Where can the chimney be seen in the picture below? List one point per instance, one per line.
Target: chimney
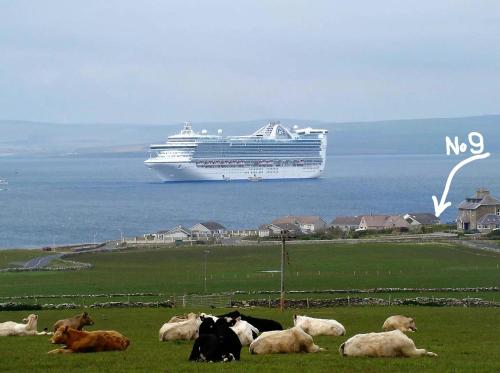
(482, 192)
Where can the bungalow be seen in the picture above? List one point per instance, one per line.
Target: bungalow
(479, 212)
(346, 223)
(307, 224)
(373, 222)
(274, 230)
(396, 222)
(421, 218)
(178, 233)
(208, 229)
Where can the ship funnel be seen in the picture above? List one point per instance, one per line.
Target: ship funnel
(219, 131)
(203, 132)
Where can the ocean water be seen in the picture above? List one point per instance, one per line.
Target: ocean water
(72, 200)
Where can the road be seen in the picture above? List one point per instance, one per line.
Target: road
(41, 261)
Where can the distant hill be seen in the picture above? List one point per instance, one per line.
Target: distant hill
(416, 136)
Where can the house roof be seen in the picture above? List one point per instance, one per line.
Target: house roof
(213, 226)
(179, 228)
(396, 221)
(489, 219)
(475, 202)
(424, 218)
(312, 219)
(374, 220)
(346, 220)
(282, 226)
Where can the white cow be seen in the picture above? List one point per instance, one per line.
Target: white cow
(403, 323)
(315, 327)
(182, 330)
(385, 344)
(245, 331)
(11, 328)
(284, 341)
(206, 316)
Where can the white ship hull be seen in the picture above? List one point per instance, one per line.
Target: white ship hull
(190, 172)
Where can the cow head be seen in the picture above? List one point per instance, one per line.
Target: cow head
(85, 319)
(31, 321)
(411, 325)
(60, 336)
(207, 325)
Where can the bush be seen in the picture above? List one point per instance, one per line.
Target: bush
(494, 235)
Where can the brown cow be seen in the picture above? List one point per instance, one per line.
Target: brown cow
(76, 322)
(81, 341)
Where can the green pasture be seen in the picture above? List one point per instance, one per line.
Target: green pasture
(15, 258)
(466, 340)
(180, 270)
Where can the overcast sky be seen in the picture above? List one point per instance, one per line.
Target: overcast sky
(170, 61)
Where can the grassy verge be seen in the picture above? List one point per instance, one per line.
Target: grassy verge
(180, 270)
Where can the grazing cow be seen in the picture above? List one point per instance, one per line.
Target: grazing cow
(182, 317)
(76, 322)
(315, 327)
(245, 331)
(29, 328)
(284, 341)
(385, 344)
(181, 330)
(82, 341)
(217, 342)
(399, 322)
(264, 325)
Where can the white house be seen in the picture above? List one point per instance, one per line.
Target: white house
(307, 224)
(178, 233)
(208, 229)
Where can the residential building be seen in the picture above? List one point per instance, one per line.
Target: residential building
(274, 230)
(478, 212)
(373, 222)
(178, 233)
(346, 223)
(208, 229)
(307, 224)
(396, 222)
(421, 218)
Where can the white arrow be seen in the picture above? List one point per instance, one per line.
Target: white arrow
(439, 207)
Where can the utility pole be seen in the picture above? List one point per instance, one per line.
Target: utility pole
(206, 256)
(284, 236)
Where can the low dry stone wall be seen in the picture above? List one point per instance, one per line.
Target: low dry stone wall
(377, 290)
(355, 301)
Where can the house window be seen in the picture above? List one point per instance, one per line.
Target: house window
(498, 211)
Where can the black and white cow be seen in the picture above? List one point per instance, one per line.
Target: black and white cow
(216, 342)
(264, 325)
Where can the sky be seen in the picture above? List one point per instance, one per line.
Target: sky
(170, 61)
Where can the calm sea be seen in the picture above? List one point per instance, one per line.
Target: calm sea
(71, 200)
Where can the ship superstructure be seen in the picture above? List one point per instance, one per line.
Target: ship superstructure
(271, 152)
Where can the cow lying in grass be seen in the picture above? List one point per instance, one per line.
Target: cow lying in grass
(315, 327)
(76, 322)
(81, 341)
(179, 318)
(284, 341)
(29, 328)
(181, 330)
(216, 342)
(385, 344)
(399, 322)
(264, 325)
(245, 331)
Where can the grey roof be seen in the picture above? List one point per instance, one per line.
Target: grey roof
(375, 221)
(213, 226)
(346, 220)
(425, 218)
(474, 203)
(176, 229)
(489, 219)
(314, 219)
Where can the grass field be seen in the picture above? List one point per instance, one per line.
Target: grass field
(465, 339)
(180, 270)
(13, 258)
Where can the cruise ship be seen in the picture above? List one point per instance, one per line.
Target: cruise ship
(271, 152)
